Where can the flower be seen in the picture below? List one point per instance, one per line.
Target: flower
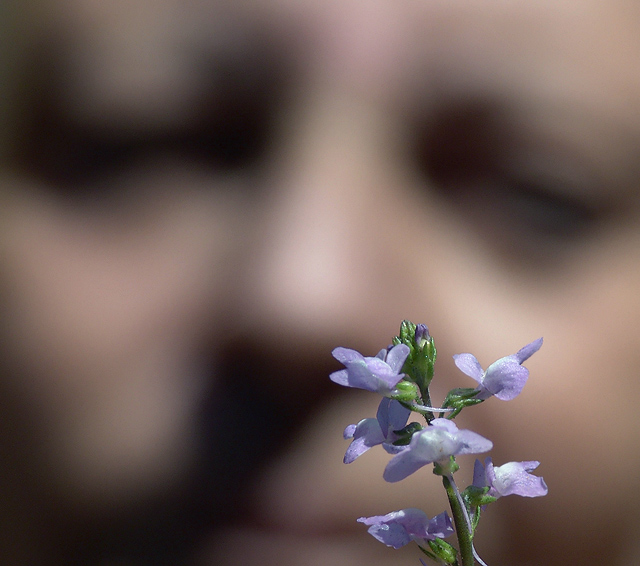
(435, 443)
(379, 374)
(512, 478)
(401, 527)
(367, 433)
(504, 378)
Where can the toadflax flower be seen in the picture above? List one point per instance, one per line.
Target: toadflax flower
(401, 527)
(379, 374)
(504, 378)
(371, 432)
(435, 443)
(512, 478)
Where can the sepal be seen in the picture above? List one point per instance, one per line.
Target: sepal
(405, 434)
(459, 398)
(446, 468)
(475, 496)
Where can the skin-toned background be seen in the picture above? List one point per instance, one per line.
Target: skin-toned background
(200, 200)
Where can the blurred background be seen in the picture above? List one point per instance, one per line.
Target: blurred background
(200, 199)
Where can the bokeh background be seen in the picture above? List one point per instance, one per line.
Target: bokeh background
(200, 199)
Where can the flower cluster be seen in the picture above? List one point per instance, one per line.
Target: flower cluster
(402, 374)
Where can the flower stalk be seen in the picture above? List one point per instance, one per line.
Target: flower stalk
(460, 520)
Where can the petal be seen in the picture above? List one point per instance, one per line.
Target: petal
(359, 375)
(392, 415)
(403, 465)
(341, 377)
(440, 526)
(384, 377)
(383, 413)
(422, 333)
(490, 471)
(398, 416)
(445, 424)
(356, 449)
(349, 431)
(376, 519)
(380, 368)
(528, 351)
(397, 356)
(392, 448)
(513, 478)
(399, 527)
(369, 431)
(479, 476)
(346, 355)
(472, 443)
(366, 435)
(387, 532)
(382, 354)
(392, 535)
(415, 521)
(469, 365)
(506, 378)
(429, 445)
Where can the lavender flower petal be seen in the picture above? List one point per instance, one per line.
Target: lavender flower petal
(435, 443)
(527, 351)
(365, 434)
(468, 364)
(370, 432)
(505, 378)
(392, 415)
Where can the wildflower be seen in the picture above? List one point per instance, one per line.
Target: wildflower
(435, 443)
(504, 378)
(401, 527)
(391, 416)
(379, 374)
(512, 478)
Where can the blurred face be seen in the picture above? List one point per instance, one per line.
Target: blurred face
(200, 201)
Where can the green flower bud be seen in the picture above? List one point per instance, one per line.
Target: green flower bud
(406, 392)
(443, 550)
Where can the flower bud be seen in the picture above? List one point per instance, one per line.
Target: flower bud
(443, 550)
(422, 335)
(406, 392)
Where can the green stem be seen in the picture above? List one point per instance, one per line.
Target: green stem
(460, 520)
(426, 400)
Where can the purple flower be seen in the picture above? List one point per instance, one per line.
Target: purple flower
(512, 478)
(504, 378)
(434, 443)
(371, 432)
(379, 374)
(401, 527)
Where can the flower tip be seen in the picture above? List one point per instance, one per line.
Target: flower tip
(525, 353)
(543, 487)
(422, 333)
